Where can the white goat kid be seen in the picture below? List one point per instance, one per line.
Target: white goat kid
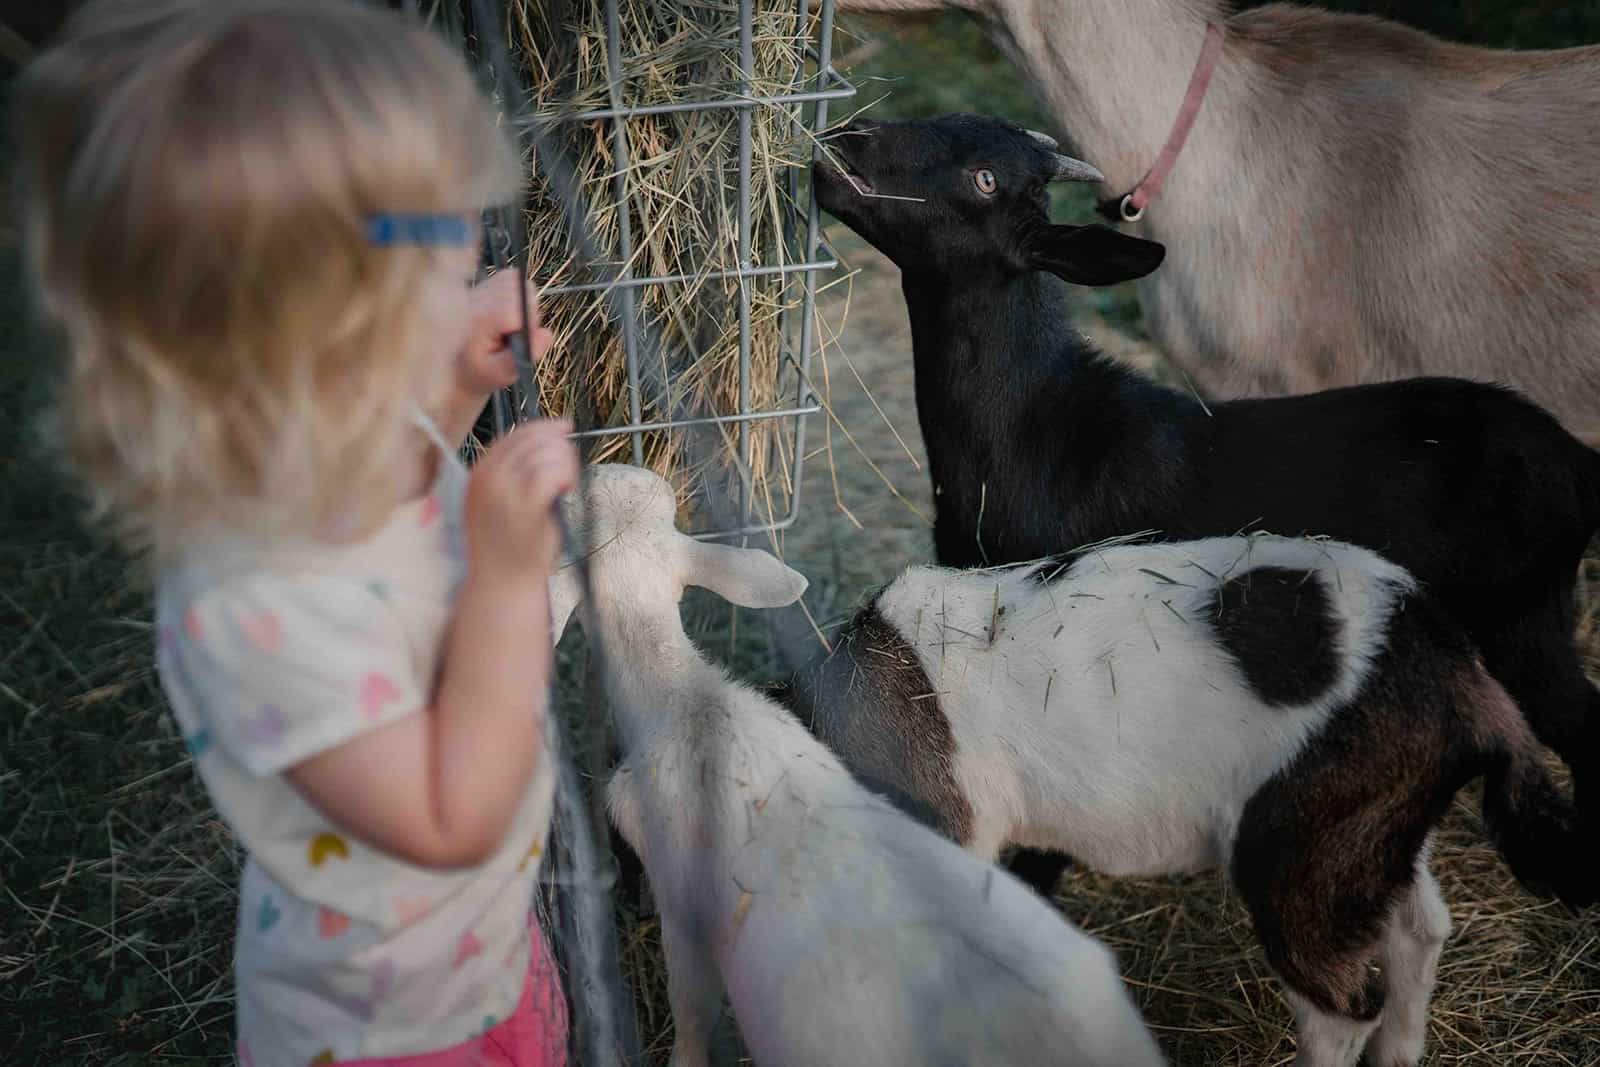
(844, 931)
(1294, 711)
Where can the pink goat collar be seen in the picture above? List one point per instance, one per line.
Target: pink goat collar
(1130, 208)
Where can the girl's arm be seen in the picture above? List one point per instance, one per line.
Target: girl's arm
(440, 788)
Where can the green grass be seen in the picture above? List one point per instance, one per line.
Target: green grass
(931, 64)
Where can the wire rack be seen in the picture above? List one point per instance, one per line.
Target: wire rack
(581, 908)
(802, 252)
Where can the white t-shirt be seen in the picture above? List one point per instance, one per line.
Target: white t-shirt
(343, 952)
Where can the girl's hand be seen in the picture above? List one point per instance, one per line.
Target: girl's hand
(485, 362)
(510, 508)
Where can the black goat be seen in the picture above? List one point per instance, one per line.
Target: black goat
(1037, 443)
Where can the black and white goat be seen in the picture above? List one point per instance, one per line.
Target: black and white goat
(1292, 710)
(842, 930)
(1036, 443)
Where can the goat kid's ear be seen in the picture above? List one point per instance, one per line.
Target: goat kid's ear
(1094, 255)
(565, 591)
(748, 577)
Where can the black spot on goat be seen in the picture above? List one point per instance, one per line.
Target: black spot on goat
(1277, 625)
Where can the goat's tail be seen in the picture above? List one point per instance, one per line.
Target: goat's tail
(1533, 825)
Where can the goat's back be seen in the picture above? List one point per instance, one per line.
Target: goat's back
(1126, 706)
(1392, 466)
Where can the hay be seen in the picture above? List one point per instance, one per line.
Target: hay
(683, 207)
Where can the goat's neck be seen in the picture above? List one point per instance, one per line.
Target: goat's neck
(973, 338)
(655, 670)
(1120, 70)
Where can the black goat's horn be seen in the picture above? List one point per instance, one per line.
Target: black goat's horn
(1044, 139)
(1075, 170)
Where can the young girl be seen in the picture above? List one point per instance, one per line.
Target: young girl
(255, 225)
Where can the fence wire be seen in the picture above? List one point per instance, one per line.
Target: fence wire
(578, 907)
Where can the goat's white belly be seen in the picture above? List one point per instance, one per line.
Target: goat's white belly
(1159, 793)
(1130, 841)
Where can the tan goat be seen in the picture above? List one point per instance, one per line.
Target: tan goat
(1357, 201)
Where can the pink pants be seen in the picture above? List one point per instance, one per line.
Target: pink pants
(535, 1034)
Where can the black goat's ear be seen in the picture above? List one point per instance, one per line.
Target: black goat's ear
(1094, 255)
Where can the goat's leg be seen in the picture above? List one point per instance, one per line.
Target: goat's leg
(1535, 656)
(694, 989)
(1037, 868)
(631, 884)
(1319, 897)
(1337, 999)
(1586, 787)
(1327, 1039)
(1040, 869)
(1417, 930)
(1322, 925)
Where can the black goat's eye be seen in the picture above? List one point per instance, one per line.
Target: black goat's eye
(984, 180)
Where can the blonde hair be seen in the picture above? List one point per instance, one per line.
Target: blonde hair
(198, 182)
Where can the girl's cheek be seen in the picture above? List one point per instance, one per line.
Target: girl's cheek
(445, 324)
(449, 316)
